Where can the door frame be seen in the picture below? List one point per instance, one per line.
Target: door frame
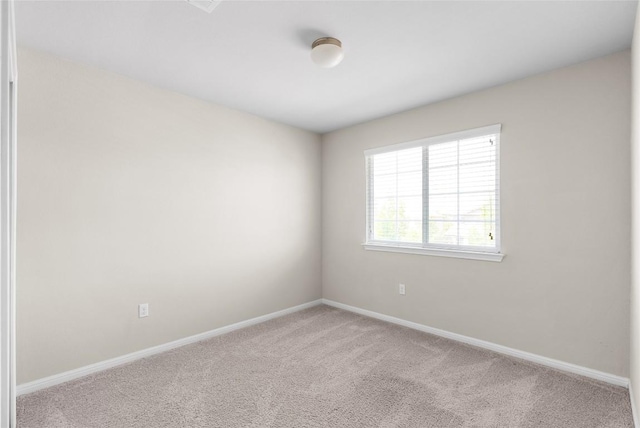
(8, 123)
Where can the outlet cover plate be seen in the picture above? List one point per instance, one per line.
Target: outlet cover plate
(143, 310)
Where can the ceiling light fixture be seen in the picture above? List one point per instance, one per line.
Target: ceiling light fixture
(327, 52)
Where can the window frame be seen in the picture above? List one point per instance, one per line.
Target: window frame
(424, 247)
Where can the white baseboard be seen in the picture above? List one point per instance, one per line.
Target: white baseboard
(49, 381)
(549, 362)
(634, 410)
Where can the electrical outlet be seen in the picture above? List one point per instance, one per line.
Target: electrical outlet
(401, 289)
(143, 310)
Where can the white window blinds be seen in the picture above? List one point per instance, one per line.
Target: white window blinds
(441, 192)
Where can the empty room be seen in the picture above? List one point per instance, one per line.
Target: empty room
(319, 214)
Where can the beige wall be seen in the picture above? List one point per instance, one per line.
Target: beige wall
(132, 194)
(562, 290)
(635, 265)
(212, 216)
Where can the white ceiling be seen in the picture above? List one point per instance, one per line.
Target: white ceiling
(254, 55)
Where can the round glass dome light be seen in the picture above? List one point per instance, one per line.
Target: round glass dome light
(327, 52)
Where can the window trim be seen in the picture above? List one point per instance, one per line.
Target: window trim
(440, 252)
(443, 250)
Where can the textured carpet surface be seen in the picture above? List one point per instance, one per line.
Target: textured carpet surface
(324, 367)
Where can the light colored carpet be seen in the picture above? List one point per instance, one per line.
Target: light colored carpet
(324, 367)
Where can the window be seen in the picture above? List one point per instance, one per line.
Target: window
(437, 196)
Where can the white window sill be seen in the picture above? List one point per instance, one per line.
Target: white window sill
(459, 254)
